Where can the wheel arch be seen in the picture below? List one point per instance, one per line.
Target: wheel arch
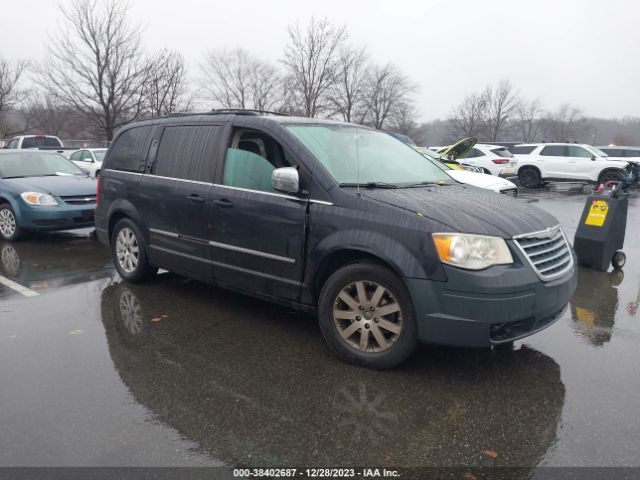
(608, 170)
(120, 210)
(342, 248)
(11, 201)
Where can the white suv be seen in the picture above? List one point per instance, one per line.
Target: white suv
(492, 159)
(540, 162)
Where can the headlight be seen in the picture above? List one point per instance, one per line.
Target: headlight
(473, 252)
(36, 198)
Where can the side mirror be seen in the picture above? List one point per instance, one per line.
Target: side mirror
(286, 179)
(593, 159)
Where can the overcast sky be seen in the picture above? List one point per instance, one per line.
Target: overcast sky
(581, 52)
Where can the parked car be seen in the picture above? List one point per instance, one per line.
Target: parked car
(336, 219)
(89, 159)
(477, 179)
(43, 191)
(493, 159)
(540, 162)
(34, 141)
(618, 151)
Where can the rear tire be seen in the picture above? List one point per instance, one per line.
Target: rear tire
(367, 317)
(529, 177)
(9, 228)
(129, 253)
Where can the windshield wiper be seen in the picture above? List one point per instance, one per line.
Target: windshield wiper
(371, 185)
(427, 184)
(13, 176)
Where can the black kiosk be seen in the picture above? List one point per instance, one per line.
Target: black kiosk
(600, 234)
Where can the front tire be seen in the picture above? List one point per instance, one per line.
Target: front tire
(529, 177)
(367, 317)
(611, 176)
(9, 228)
(129, 253)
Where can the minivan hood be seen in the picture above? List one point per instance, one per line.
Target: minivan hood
(61, 185)
(468, 209)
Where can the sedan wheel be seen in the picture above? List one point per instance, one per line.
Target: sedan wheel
(8, 226)
(367, 316)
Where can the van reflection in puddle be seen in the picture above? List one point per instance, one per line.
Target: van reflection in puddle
(253, 384)
(595, 303)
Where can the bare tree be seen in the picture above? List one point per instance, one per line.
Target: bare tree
(165, 88)
(11, 74)
(95, 64)
(469, 118)
(528, 114)
(11, 94)
(387, 93)
(567, 123)
(236, 79)
(44, 114)
(265, 82)
(347, 94)
(501, 102)
(312, 63)
(404, 120)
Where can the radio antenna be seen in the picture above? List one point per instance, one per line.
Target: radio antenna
(358, 159)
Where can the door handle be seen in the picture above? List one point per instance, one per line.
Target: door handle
(193, 198)
(223, 202)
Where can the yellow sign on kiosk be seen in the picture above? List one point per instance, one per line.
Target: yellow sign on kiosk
(597, 213)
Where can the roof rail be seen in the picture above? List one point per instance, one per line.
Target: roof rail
(227, 111)
(247, 111)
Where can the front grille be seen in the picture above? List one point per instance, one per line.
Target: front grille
(547, 251)
(80, 200)
(512, 192)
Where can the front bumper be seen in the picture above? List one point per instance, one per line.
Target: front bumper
(489, 307)
(60, 217)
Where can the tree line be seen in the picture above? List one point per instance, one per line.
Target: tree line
(97, 75)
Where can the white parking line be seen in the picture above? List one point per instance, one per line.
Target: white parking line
(17, 287)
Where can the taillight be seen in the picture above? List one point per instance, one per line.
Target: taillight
(98, 190)
(500, 161)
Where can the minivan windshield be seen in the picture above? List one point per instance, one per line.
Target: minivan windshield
(18, 165)
(355, 155)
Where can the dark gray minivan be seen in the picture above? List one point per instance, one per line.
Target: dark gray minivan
(334, 219)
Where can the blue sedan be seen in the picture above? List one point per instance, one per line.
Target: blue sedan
(43, 191)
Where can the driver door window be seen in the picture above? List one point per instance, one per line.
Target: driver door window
(86, 156)
(575, 151)
(251, 159)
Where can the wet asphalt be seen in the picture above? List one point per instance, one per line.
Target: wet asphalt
(97, 372)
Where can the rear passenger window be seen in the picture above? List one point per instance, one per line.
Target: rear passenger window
(473, 153)
(187, 152)
(554, 151)
(251, 159)
(129, 152)
(522, 149)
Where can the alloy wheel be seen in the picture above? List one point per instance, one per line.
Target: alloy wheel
(368, 316)
(127, 250)
(7, 223)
